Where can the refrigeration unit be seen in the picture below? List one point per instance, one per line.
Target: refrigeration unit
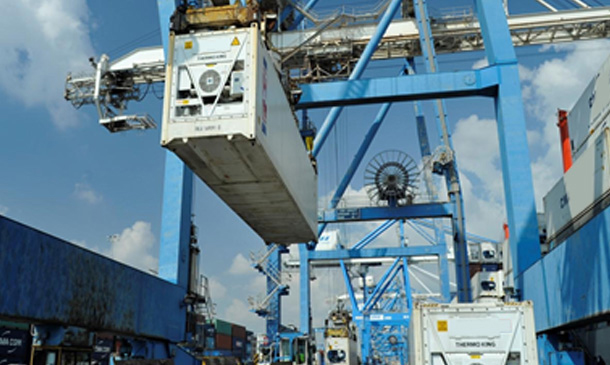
(487, 285)
(228, 117)
(473, 333)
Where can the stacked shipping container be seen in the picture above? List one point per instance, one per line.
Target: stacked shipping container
(223, 335)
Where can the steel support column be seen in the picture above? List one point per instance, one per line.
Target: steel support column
(365, 57)
(177, 195)
(451, 174)
(426, 153)
(514, 151)
(274, 317)
(305, 289)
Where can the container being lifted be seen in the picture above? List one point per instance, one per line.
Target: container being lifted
(473, 333)
(226, 115)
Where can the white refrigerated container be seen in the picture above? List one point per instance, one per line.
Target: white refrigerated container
(590, 114)
(227, 116)
(473, 333)
(582, 192)
(487, 285)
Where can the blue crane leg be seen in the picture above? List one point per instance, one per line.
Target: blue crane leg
(514, 150)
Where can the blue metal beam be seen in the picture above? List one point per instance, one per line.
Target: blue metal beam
(514, 151)
(48, 280)
(350, 289)
(177, 194)
(299, 17)
(373, 234)
(427, 210)
(407, 282)
(471, 237)
(176, 221)
(305, 289)
(381, 286)
(363, 61)
(353, 167)
(451, 171)
(274, 318)
(481, 82)
(377, 253)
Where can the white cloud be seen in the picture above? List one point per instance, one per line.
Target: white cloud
(3, 209)
(134, 246)
(217, 290)
(42, 40)
(555, 83)
(477, 150)
(240, 266)
(239, 312)
(86, 193)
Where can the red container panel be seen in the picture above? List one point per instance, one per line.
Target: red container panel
(238, 331)
(223, 342)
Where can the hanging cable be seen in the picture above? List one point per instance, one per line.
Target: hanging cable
(138, 40)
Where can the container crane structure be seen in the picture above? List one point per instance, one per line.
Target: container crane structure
(316, 83)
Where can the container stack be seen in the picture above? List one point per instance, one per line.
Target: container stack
(228, 338)
(210, 336)
(250, 344)
(224, 332)
(238, 340)
(15, 342)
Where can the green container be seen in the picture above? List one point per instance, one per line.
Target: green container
(222, 327)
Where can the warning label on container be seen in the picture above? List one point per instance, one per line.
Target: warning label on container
(442, 326)
(235, 42)
(476, 344)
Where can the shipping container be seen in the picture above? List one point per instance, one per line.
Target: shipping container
(102, 349)
(238, 346)
(223, 327)
(342, 351)
(473, 333)
(227, 116)
(487, 284)
(14, 346)
(590, 113)
(223, 342)
(210, 343)
(209, 330)
(238, 331)
(576, 197)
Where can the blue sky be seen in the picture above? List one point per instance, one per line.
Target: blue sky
(66, 175)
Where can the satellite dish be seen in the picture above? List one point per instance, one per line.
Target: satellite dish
(391, 178)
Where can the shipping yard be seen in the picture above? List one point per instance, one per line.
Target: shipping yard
(293, 228)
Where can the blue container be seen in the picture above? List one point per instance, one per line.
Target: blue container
(239, 346)
(210, 343)
(209, 330)
(14, 345)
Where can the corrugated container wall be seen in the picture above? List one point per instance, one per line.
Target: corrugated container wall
(223, 327)
(238, 346)
(14, 346)
(223, 342)
(228, 117)
(590, 113)
(238, 331)
(574, 199)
